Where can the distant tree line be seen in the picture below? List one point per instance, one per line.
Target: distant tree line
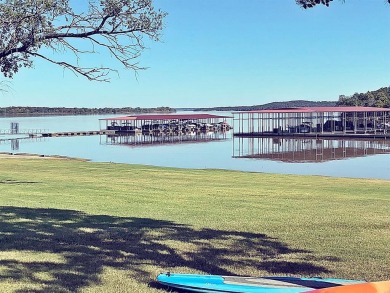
(41, 111)
(379, 98)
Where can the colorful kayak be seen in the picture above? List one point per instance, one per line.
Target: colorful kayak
(231, 284)
(373, 287)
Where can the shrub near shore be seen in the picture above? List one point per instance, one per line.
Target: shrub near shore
(71, 226)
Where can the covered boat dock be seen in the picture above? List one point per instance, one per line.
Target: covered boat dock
(174, 124)
(314, 121)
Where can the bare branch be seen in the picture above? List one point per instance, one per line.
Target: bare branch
(93, 74)
(5, 86)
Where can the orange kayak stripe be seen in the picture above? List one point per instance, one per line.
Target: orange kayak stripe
(373, 287)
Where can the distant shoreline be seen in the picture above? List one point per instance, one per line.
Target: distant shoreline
(19, 111)
(37, 156)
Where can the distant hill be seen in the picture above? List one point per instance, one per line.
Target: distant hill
(273, 105)
(377, 98)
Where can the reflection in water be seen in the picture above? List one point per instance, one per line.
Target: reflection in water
(156, 139)
(15, 144)
(298, 150)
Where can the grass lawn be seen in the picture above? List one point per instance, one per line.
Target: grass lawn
(73, 226)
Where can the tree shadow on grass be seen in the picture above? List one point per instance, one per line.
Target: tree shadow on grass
(83, 245)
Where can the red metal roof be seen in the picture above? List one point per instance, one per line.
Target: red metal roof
(318, 110)
(167, 117)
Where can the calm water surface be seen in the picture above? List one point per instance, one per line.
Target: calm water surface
(358, 159)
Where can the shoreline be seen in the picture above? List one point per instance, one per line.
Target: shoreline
(6, 155)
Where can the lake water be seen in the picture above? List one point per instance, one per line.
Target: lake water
(357, 159)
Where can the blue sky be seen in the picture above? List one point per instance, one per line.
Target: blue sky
(230, 52)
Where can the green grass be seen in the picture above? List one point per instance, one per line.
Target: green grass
(72, 226)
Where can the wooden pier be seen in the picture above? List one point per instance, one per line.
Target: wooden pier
(23, 131)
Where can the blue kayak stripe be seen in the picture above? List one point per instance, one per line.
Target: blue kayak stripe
(234, 288)
(217, 284)
(196, 289)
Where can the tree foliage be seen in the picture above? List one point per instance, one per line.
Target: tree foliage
(118, 26)
(379, 98)
(311, 3)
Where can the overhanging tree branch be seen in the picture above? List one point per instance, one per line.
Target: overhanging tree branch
(117, 26)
